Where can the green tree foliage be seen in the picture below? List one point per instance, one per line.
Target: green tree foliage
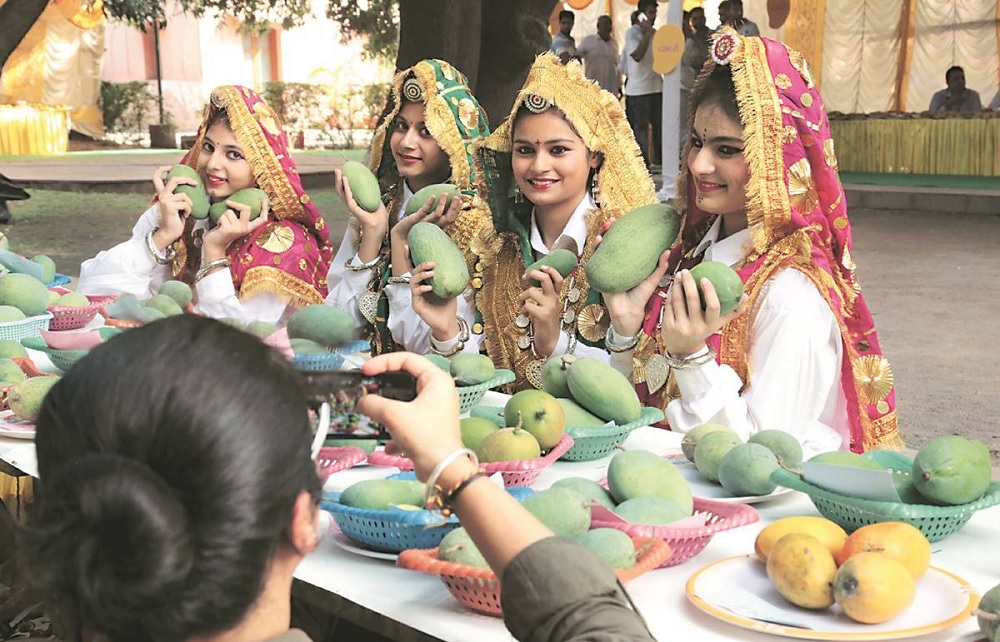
(375, 20)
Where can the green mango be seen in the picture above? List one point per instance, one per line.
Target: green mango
(378, 494)
(711, 449)
(73, 300)
(952, 470)
(179, 291)
(725, 280)
(324, 324)
(539, 413)
(508, 444)
(262, 329)
(562, 260)
(9, 313)
(785, 447)
(428, 242)
(249, 196)
(554, 373)
(10, 372)
(577, 416)
(565, 511)
(431, 192)
(589, 489)
(471, 369)
(24, 292)
(164, 304)
(305, 346)
(845, 458)
(603, 391)
(48, 267)
(367, 445)
(613, 546)
(457, 547)
(25, 398)
(364, 185)
(631, 248)
(989, 605)
(199, 197)
(640, 473)
(650, 511)
(746, 470)
(475, 429)
(10, 348)
(691, 438)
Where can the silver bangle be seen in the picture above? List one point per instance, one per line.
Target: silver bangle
(629, 343)
(163, 258)
(363, 266)
(689, 362)
(463, 336)
(444, 463)
(398, 280)
(211, 265)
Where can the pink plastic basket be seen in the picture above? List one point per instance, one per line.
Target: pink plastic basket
(686, 542)
(67, 317)
(339, 458)
(522, 472)
(479, 590)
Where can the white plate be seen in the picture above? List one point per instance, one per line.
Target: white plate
(701, 487)
(942, 601)
(344, 542)
(11, 426)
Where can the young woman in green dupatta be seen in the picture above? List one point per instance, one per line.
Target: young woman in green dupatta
(427, 136)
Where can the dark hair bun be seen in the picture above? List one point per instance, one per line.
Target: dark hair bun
(124, 537)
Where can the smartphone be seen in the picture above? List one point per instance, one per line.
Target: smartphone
(341, 391)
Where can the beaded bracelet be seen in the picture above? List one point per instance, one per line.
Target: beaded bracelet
(432, 487)
(443, 504)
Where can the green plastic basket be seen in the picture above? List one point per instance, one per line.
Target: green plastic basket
(935, 522)
(469, 396)
(588, 443)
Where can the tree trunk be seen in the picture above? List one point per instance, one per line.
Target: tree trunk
(493, 43)
(16, 20)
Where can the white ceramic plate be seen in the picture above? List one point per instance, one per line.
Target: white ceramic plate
(701, 487)
(942, 601)
(11, 426)
(344, 542)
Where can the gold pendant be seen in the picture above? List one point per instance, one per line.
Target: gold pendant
(534, 373)
(657, 372)
(368, 306)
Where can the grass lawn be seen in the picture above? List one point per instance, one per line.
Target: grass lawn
(74, 226)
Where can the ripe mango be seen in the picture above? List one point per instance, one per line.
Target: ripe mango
(9, 349)
(562, 260)
(431, 192)
(949, 470)
(831, 534)
(603, 391)
(48, 267)
(589, 489)
(785, 447)
(73, 300)
(324, 324)
(26, 397)
(164, 304)
(539, 413)
(475, 429)
(249, 196)
(577, 416)
(873, 588)
(179, 291)
(10, 372)
(711, 449)
(650, 511)
(471, 369)
(9, 313)
(746, 470)
(640, 473)
(457, 547)
(508, 444)
(428, 242)
(691, 438)
(199, 197)
(564, 511)
(364, 185)
(803, 570)
(632, 247)
(900, 541)
(613, 546)
(378, 494)
(26, 293)
(724, 279)
(554, 373)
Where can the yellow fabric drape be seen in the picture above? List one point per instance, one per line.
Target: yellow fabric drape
(958, 146)
(952, 32)
(860, 54)
(804, 33)
(33, 129)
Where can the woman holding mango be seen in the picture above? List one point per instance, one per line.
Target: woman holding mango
(426, 137)
(761, 195)
(562, 164)
(258, 253)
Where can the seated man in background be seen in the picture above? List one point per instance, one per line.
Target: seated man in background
(956, 97)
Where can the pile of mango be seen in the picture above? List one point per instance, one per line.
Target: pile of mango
(591, 392)
(171, 299)
(467, 369)
(202, 208)
(871, 574)
(22, 296)
(534, 423)
(743, 469)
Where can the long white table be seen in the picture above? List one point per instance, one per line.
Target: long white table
(418, 606)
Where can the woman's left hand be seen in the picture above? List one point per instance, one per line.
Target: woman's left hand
(541, 305)
(437, 313)
(686, 326)
(232, 226)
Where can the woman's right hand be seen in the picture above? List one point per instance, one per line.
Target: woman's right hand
(628, 309)
(372, 223)
(440, 315)
(174, 209)
(440, 211)
(427, 428)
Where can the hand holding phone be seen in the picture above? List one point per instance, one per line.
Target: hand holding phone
(340, 391)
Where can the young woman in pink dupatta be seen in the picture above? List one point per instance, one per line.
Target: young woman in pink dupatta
(261, 270)
(761, 194)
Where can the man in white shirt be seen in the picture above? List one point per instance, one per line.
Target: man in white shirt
(736, 20)
(644, 87)
(600, 57)
(956, 97)
(563, 44)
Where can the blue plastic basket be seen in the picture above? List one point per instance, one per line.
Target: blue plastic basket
(58, 280)
(326, 361)
(588, 443)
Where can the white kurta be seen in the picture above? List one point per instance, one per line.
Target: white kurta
(795, 365)
(129, 268)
